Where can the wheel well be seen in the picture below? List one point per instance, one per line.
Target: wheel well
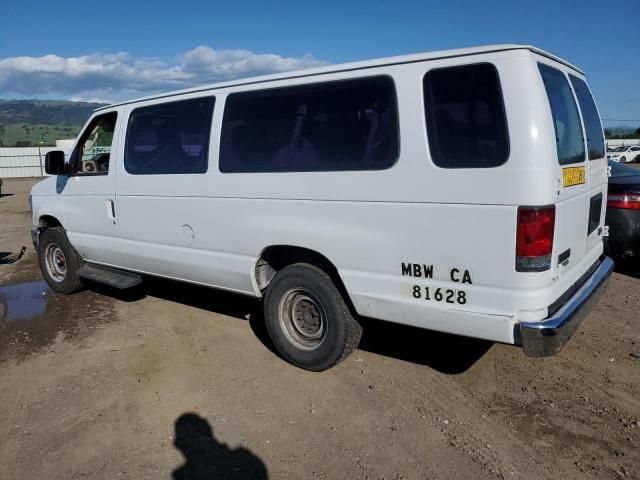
(277, 257)
(47, 221)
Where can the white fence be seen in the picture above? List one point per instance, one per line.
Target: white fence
(23, 162)
(627, 142)
(28, 161)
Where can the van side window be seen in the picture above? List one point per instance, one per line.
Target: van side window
(169, 138)
(93, 151)
(466, 122)
(566, 120)
(590, 117)
(343, 125)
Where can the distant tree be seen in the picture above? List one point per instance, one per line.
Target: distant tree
(610, 134)
(22, 143)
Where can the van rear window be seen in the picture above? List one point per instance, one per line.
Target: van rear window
(590, 117)
(343, 125)
(566, 120)
(466, 123)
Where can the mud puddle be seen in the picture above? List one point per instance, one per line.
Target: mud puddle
(23, 301)
(33, 317)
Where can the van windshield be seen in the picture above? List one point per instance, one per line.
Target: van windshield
(566, 120)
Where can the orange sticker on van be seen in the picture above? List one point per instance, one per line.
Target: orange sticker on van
(573, 176)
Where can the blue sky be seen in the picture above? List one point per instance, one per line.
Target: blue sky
(113, 50)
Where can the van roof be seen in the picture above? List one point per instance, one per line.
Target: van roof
(344, 67)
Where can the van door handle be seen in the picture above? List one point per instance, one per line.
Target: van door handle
(111, 211)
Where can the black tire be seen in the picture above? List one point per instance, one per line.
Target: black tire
(308, 294)
(61, 273)
(623, 159)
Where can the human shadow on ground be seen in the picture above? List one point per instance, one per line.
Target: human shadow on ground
(208, 459)
(450, 354)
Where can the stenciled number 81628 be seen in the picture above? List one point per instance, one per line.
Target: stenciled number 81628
(440, 294)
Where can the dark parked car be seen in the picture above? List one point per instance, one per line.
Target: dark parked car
(623, 211)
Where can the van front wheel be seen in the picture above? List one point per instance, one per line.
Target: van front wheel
(59, 262)
(307, 318)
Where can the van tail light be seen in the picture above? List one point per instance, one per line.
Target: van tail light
(534, 241)
(628, 201)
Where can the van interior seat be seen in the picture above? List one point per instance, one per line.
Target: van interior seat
(173, 157)
(449, 134)
(140, 154)
(374, 123)
(378, 136)
(229, 157)
(299, 152)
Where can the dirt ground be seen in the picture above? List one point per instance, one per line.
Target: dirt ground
(181, 382)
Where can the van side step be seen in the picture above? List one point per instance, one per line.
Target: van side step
(113, 277)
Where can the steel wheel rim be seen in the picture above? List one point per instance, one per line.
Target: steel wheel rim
(302, 318)
(56, 262)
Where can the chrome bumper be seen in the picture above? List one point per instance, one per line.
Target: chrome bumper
(35, 236)
(546, 338)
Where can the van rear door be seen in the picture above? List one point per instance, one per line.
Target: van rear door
(582, 173)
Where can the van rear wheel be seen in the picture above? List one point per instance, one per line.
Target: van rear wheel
(307, 318)
(59, 262)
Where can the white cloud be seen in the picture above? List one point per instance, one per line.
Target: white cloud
(236, 63)
(119, 76)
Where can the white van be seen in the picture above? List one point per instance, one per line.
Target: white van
(459, 191)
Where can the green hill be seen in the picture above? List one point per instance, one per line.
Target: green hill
(26, 122)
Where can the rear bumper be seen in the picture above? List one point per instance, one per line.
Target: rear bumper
(546, 338)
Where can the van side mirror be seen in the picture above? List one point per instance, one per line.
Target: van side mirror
(54, 162)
